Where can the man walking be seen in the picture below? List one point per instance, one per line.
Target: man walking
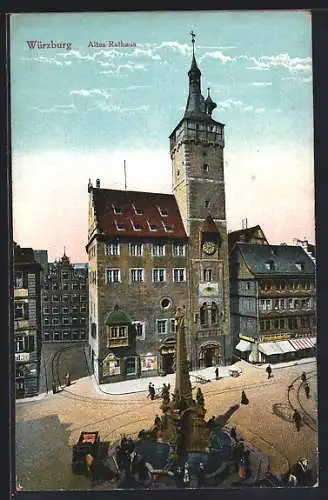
(216, 373)
(297, 419)
(269, 371)
(307, 389)
(303, 377)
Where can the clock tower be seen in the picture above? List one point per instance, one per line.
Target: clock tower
(196, 148)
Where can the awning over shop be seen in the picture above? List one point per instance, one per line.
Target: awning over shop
(306, 343)
(285, 346)
(243, 346)
(269, 348)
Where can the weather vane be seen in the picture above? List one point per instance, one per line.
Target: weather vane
(193, 40)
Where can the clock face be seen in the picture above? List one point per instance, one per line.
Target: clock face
(209, 247)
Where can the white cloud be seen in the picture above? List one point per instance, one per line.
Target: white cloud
(62, 108)
(110, 108)
(283, 61)
(261, 84)
(218, 55)
(88, 93)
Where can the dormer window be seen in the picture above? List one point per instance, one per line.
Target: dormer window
(119, 226)
(269, 265)
(152, 227)
(300, 266)
(168, 228)
(117, 209)
(136, 226)
(138, 210)
(163, 212)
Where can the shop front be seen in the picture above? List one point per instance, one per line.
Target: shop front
(167, 352)
(209, 354)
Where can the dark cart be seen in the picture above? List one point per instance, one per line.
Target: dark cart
(88, 444)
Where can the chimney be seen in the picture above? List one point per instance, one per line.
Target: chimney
(98, 183)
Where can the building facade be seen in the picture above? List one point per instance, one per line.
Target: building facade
(27, 321)
(150, 253)
(273, 305)
(65, 302)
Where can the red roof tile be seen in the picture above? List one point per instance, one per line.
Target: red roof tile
(134, 213)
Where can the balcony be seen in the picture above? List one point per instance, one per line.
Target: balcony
(275, 293)
(117, 343)
(21, 324)
(267, 313)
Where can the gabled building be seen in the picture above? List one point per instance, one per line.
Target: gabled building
(65, 302)
(272, 301)
(253, 235)
(150, 252)
(27, 321)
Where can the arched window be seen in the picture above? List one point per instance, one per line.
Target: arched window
(204, 315)
(214, 313)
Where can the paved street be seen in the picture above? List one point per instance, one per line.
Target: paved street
(47, 428)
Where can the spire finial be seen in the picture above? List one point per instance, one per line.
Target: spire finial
(193, 36)
(64, 250)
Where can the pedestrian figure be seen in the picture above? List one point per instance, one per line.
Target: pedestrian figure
(152, 392)
(297, 419)
(244, 400)
(307, 390)
(157, 422)
(200, 397)
(149, 390)
(68, 379)
(216, 373)
(303, 377)
(269, 371)
(186, 476)
(233, 433)
(201, 476)
(165, 393)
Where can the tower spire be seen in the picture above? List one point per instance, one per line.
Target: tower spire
(195, 103)
(193, 36)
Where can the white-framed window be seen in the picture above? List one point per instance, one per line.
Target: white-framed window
(161, 326)
(137, 275)
(19, 279)
(140, 329)
(179, 275)
(55, 310)
(179, 249)
(136, 249)
(265, 304)
(159, 275)
(152, 227)
(119, 226)
(163, 212)
(173, 325)
(158, 250)
(169, 228)
(112, 249)
(113, 275)
(135, 225)
(117, 209)
(137, 210)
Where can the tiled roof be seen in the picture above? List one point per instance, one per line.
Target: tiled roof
(244, 235)
(209, 226)
(117, 317)
(137, 214)
(284, 259)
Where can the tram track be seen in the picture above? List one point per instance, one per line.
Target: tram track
(309, 420)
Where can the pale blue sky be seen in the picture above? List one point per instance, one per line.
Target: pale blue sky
(88, 101)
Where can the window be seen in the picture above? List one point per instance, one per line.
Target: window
(269, 265)
(65, 298)
(55, 298)
(161, 326)
(136, 249)
(137, 275)
(281, 323)
(300, 266)
(21, 310)
(276, 323)
(113, 276)
(55, 286)
(140, 329)
(75, 320)
(75, 286)
(119, 226)
(47, 336)
(45, 298)
(117, 209)
(206, 168)
(83, 309)
(93, 330)
(83, 334)
(66, 336)
(18, 280)
(135, 225)
(203, 315)
(158, 250)
(64, 276)
(267, 324)
(290, 303)
(178, 250)
(152, 227)
(55, 310)
(248, 285)
(179, 275)
(207, 274)
(169, 228)
(159, 275)
(166, 303)
(65, 286)
(130, 365)
(292, 323)
(117, 336)
(163, 212)
(261, 325)
(57, 336)
(207, 204)
(173, 325)
(55, 321)
(307, 285)
(46, 310)
(214, 313)
(112, 249)
(82, 286)
(265, 304)
(138, 210)
(65, 310)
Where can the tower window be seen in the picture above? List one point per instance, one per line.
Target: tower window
(207, 203)
(206, 168)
